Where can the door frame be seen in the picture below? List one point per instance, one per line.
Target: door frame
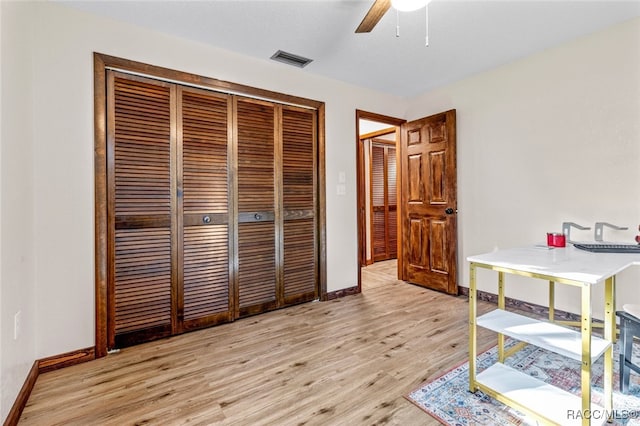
(360, 182)
(101, 63)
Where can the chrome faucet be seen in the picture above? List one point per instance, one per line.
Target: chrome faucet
(599, 229)
(566, 229)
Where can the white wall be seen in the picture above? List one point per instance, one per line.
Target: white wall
(368, 126)
(554, 137)
(47, 157)
(17, 246)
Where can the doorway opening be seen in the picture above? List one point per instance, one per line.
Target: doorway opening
(378, 184)
(426, 191)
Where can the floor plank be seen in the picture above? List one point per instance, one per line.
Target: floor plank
(347, 361)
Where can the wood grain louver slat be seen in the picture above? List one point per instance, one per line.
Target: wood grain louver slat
(256, 268)
(255, 123)
(392, 198)
(300, 267)
(204, 152)
(298, 148)
(206, 272)
(377, 176)
(142, 181)
(392, 225)
(379, 235)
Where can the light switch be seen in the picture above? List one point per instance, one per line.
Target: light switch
(341, 189)
(342, 177)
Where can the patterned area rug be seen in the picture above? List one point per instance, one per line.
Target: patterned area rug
(448, 399)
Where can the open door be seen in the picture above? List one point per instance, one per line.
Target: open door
(429, 202)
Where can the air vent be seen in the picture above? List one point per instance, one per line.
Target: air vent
(291, 59)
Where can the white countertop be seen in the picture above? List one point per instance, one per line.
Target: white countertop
(568, 262)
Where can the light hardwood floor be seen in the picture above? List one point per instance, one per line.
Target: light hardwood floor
(349, 361)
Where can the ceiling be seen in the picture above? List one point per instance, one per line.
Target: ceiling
(466, 37)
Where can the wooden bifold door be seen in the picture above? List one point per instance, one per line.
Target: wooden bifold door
(211, 207)
(384, 205)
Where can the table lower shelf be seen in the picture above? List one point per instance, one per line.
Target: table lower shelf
(536, 397)
(546, 335)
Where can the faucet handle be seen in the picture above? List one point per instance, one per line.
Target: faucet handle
(566, 229)
(599, 229)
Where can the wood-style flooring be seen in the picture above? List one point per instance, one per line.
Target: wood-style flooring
(349, 361)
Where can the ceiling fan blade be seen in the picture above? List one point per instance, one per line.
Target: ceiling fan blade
(377, 11)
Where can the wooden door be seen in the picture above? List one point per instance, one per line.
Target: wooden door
(392, 202)
(169, 208)
(203, 290)
(141, 207)
(383, 201)
(299, 206)
(277, 235)
(429, 203)
(256, 207)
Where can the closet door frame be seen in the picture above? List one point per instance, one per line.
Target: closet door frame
(104, 62)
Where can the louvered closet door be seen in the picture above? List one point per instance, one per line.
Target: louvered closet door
(212, 213)
(300, 273)
(383, 202)
(392, 203)
(204, 297)
(256, 207)
(378, 222)
(140, 209)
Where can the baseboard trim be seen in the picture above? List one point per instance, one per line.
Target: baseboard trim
(42, 366)
(65, 360)
(23, 396)
(532, 308)
(342, 293)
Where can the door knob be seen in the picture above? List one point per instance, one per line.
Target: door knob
(258, 216)
(449, 210)
(206, 219)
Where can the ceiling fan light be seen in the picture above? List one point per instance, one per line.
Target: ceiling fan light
(408, 5)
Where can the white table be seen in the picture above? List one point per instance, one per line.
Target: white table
(569, 266)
